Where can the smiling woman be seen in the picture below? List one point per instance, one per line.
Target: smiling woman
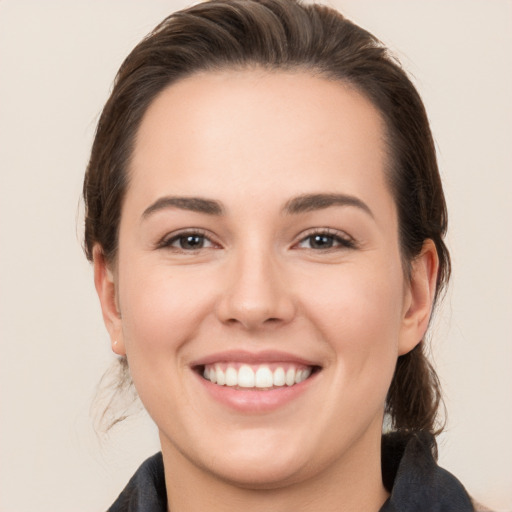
(266, 220)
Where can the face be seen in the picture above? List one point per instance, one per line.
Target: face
(258, 291)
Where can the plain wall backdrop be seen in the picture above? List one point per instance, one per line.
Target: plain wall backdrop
(57, 63)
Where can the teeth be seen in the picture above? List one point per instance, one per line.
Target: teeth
(302, 375)
(264, 377)
(261, 376)
(221, 376)
(279, 379)
(231, 376)
(245, 377)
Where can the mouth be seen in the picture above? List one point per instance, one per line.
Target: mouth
(256, 382)
(266, 376)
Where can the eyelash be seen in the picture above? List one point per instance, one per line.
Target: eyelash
(167, 243)
(342, 241)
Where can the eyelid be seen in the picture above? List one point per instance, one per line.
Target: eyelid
(346, 241)
(166, 241)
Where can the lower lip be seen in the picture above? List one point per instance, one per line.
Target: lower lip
(254, 400)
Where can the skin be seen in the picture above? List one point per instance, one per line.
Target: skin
(252, 141)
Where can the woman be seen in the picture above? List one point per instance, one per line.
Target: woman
(266, 220)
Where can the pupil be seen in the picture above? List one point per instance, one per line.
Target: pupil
(322, 241)
(191, 242)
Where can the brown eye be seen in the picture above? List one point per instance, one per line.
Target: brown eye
(187, 242)
(191, 242)
(323, 241)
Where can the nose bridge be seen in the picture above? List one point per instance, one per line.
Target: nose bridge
(255, 292)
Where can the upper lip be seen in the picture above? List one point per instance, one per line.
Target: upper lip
(243, 356)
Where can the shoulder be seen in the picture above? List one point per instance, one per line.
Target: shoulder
(145, 492)
(414, 479)
(479, 507)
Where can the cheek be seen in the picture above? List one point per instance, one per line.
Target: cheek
(358, 312)
(161, 309)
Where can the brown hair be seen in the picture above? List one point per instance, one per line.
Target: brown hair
(283, 34)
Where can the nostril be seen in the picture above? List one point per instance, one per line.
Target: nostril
(253, 322)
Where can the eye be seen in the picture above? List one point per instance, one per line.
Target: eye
(187, 242)
(325, 240)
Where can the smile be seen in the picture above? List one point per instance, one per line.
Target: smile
(256, 383)
(261, 376)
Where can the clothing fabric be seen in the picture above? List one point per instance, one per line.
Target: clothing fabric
(409, 471)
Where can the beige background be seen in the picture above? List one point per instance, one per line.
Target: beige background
(57, 61)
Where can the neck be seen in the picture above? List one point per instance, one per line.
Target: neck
(353, 484)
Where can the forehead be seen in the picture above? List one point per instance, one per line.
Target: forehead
(273, 129)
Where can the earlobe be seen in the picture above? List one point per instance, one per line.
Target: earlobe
(419, 297)
(104, 282)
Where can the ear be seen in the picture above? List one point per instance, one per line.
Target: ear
(104, 281)
(419, 297)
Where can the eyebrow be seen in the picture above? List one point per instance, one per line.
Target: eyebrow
(300, 204)
(311, 202)
(194, 204)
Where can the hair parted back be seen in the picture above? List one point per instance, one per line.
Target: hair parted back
(283, 35)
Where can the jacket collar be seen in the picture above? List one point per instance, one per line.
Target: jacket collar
(409, 471)
(415, 481)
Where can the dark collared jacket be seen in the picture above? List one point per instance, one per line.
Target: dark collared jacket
(409, 471)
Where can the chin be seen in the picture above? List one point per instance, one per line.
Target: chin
(254, 458)
(257, 472)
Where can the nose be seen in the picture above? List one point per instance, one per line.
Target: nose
(255, 293)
